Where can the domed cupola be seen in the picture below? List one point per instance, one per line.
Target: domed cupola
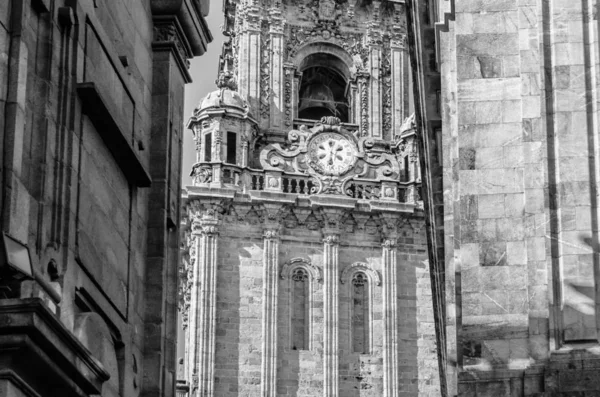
(223, 129)
(224, 99)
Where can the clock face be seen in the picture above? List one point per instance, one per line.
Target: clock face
(331, 153)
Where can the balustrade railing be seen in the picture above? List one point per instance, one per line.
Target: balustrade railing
(299, 184)
(248, 179)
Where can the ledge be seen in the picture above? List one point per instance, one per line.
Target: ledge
(36, 347)
(94, 106)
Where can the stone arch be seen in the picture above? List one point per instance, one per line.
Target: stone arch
(365, 268)
(321, 47)
(315, 272)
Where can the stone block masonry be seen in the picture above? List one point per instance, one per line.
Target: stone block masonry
(272, 337)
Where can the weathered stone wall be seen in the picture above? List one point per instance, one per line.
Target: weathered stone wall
(519, 83)
(91, 95)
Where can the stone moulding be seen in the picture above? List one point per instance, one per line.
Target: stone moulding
(315, 272)
(349, 270)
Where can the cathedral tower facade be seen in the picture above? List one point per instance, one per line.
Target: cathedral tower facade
(304, 269)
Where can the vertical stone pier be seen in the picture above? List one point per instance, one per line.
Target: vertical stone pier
(204, 301)
(331, 241)
(269, 321)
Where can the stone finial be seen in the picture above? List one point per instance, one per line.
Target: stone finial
(226, 80)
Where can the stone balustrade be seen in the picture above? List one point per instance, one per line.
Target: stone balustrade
(220, 175)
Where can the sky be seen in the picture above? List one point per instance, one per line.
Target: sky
(204, 73)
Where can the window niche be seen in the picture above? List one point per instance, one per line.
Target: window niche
(360, 281)
(208, 146)
(299, 309)
(301, 277)
(360, 313)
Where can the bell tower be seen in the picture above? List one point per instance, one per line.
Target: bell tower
(303, 267)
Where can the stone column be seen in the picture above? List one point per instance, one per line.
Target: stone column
(330, 312)
(390, 320)
(269, 321)
(203, 308)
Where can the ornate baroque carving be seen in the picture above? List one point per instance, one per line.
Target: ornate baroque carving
(287, 92)
(265, 62)
(386, 78)
(364, 105)
(357, 159)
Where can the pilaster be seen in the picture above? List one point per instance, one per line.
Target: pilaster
(331, 239)
(399, 70)
(276, 72)
(204, 294)
(250, 58)
(390, 316)
(269, 320)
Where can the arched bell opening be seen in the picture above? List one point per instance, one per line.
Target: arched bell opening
(323, 89)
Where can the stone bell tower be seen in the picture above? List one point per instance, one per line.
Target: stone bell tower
(304, 258)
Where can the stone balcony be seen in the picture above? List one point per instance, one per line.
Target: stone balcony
(228, 177)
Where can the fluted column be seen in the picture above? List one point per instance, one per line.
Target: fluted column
(330, 313)
(390, 315)
(269, 320)
(203, 317)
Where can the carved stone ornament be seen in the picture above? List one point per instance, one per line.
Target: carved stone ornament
(350, 270)
(289, 268)
(327, 9)
(332, 155)
(389, 243)
(332, 239)
(270, 234)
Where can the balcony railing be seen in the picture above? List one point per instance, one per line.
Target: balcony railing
(248, 179)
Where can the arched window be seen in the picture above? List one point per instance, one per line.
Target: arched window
(360, 280)
(324, 89)
(299, 309)
(360, 313)
(302, 276)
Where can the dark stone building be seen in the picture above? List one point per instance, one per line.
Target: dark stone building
(91, 99)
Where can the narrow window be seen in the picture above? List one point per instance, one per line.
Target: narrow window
(299, 309)
(231, 147)
(208, 147)
(360, 314)
(406, 169)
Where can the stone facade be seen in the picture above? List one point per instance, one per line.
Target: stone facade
(91, 94)
(507, 106)
(304, 269)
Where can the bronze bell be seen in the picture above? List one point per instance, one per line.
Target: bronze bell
(317, 101)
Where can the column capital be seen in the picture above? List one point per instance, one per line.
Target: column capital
(389, 242)
(331, 236)
(203, 226)
(271, 234)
